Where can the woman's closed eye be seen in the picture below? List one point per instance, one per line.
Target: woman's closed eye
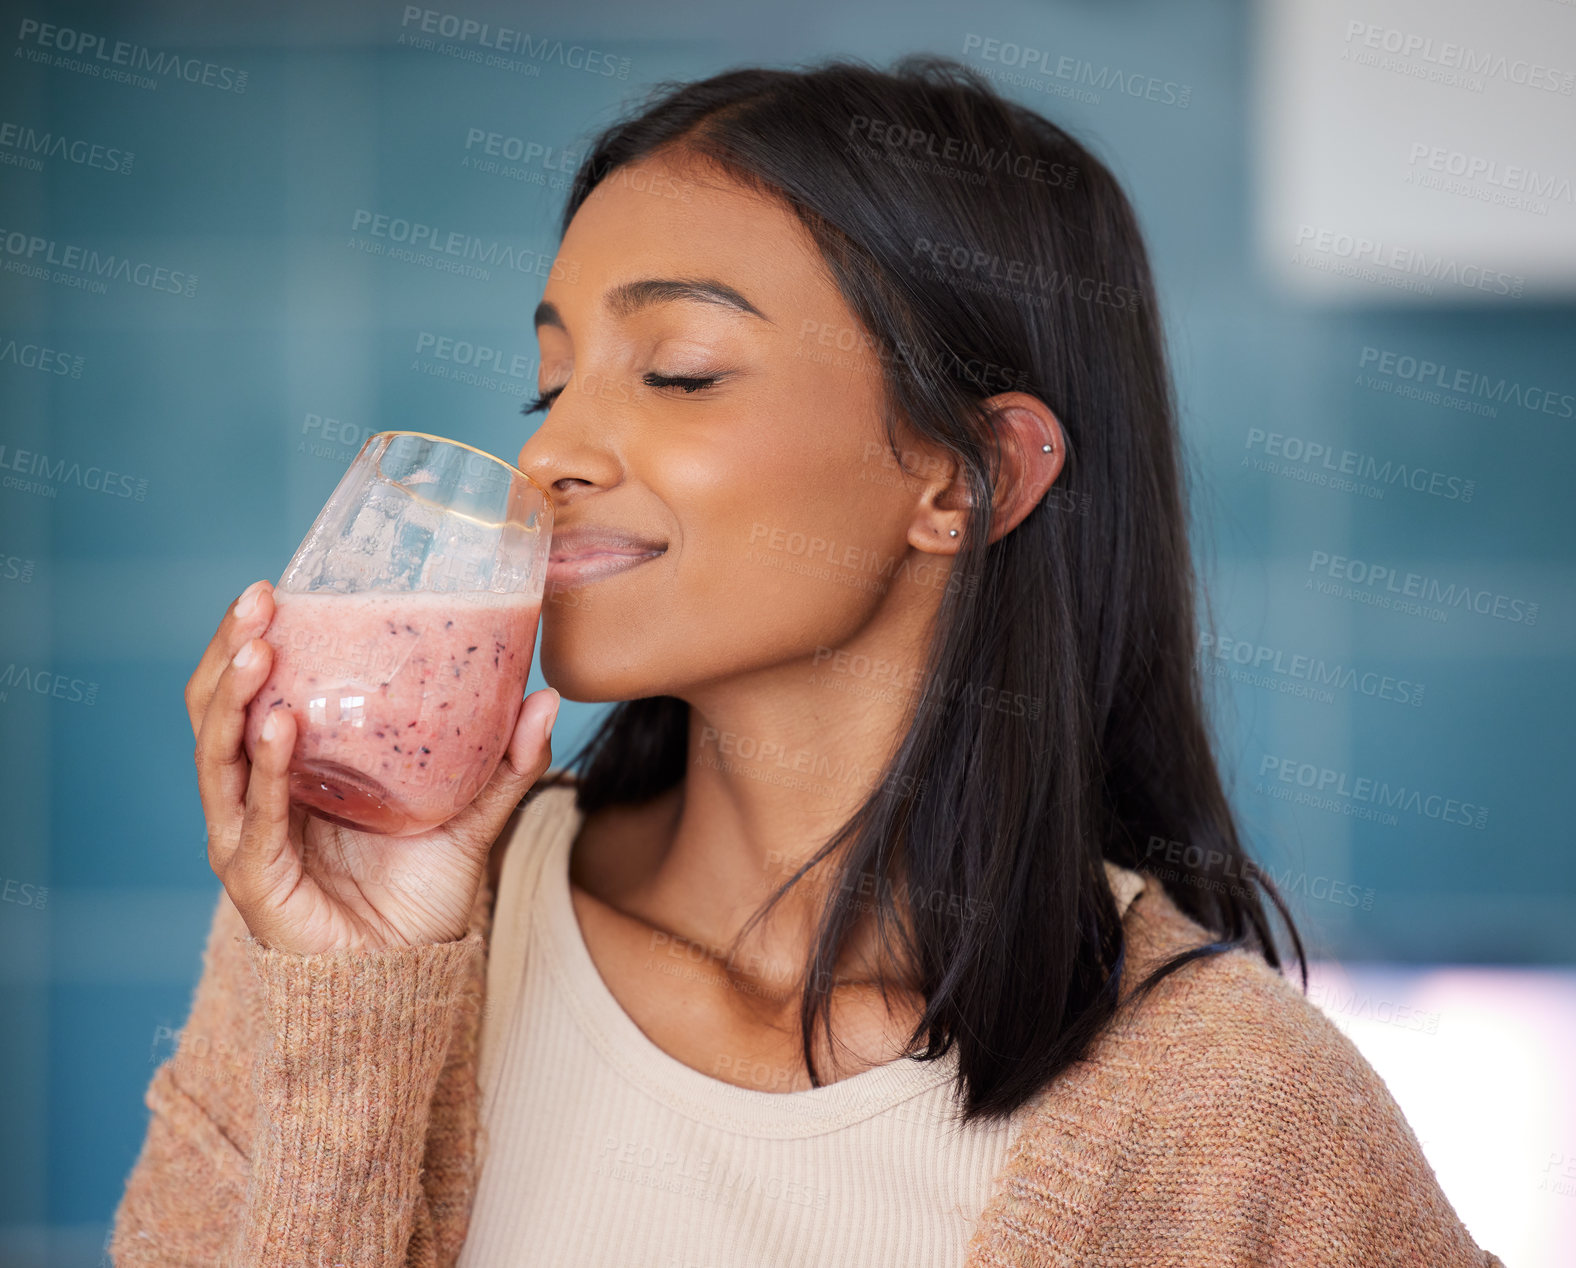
(686, 383)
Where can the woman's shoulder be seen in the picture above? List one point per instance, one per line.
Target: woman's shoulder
(1248, 1101)
(1230, 1012)
(1229, 1028)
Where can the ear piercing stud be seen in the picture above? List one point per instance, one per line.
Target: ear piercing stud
(1045, 449)
(953, 531)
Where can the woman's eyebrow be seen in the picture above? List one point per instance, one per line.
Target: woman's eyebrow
(628, 298)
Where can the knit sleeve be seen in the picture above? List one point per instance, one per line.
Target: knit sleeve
(290, 1125)
(1266, 1138)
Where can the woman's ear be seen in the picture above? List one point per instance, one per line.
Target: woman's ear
(1030, 448)
(1030, 451)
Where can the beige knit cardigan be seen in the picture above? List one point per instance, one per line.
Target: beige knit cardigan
(322, 1112)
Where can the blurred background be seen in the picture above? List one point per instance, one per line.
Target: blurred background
(1363, 225)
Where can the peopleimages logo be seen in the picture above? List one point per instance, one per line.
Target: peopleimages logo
(15, 568)
(1390, 264)
(48, 474)
(1437, 374)
(1040, 64)
(885, 136)
(507, 42)
(964, 265)
(412, 240)
(44, 682)
(35, 356)
(1447, 56)
(23, 895)
(1361, 466)
(1323, 782)
(478, 364)
(517, 149)
(1362, 1007)
(1382, 581)
(1510, 177)
(97, 56)
(1261, 661)
(25, 147)
(33, 256)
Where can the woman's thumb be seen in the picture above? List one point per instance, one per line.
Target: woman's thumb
(530, 751)
(525, 761)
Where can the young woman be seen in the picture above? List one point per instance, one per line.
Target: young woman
(897, 914)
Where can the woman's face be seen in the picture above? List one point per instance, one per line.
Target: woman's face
(762, 519)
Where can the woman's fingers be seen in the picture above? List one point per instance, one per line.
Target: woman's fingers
(246, 618)
(263, 861)
(222, 767)
(525, 761)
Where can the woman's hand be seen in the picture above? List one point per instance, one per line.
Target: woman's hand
(303, 884)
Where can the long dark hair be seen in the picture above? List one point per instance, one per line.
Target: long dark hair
(982, 247)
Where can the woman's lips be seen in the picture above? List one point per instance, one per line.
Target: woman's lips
(577, 570)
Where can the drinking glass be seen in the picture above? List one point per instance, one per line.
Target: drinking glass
(403, 631)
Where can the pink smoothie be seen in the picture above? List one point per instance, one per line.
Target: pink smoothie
(403, 703)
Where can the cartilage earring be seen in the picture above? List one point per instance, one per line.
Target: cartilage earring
(1045, 449)
(953, 531)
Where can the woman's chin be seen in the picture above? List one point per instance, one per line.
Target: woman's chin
(591, 679)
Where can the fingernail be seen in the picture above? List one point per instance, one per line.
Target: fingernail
(270, 727)
(247, 603)
(552, 716)
(246, 655)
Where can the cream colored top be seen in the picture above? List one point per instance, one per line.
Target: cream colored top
(598, 1148)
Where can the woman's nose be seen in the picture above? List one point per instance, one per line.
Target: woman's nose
(571, 447)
